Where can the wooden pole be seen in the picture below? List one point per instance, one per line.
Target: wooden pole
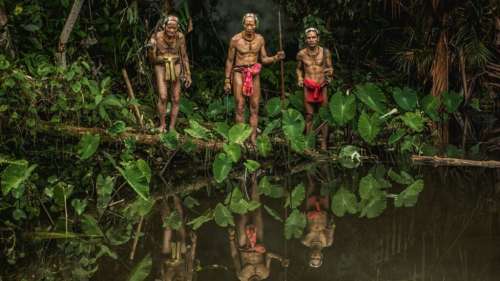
(282, 64)
(68, 27)
(137, 113)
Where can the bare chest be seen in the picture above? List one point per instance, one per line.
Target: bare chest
(313, 59)
(166, 45)
(244, 47)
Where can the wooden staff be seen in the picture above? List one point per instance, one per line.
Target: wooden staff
(282, 65)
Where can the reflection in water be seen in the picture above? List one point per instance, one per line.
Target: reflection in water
(320, 226)
(252, 261)
(178, 255)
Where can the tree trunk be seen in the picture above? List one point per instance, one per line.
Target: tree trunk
(439, 73)
(68, 27)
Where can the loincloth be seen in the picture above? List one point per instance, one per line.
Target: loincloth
(170, 61)
(314, 91)
(248, 72)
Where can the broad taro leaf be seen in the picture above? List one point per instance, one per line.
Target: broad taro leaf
(342, 108)
(223, 216)
(221, 167)
(14, 176)
(141, 271)
(88, 145)
(368, 127)
(414, 121)
(239, 133)
(409, 196)
(371, 95)
(406, 98)
(295, 224)
(344, 201)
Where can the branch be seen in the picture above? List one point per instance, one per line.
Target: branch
(68, 27)
(131, 96)
(442, 161)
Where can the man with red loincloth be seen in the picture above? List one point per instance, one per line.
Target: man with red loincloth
(314, 73)
(320, 227)
(251, 259)
(246, 49)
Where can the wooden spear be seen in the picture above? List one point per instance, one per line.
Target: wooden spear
(282, 65)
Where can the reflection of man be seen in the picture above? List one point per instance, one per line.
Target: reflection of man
(320, 229)
(171, 65)
(251, 259)
(314, 73)
(179, 256)
(246, 49)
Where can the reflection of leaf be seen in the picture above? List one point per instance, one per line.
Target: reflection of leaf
(373, 207)
(221, 167)
(344, 201)
(14, 175)
(199, 221)
(396, 136)
(409, 196)
(233, 151)
(349, 157)
(190, 202)
(79, 205)
(414, 121)
(368, 127)
(296, 197)
(117, 128)
(403, 178)
(269, 189)
(371, 95)
(239, 133)
(223, 129)
(406, 98)
(173, 221)
(138, 175)
(90, 226)
(104, 186)
(295, 224)
(141, 270)
(88, 145)
(223, 216)
(342, 108)
(264, 145)
(273, 213)
(369, 187)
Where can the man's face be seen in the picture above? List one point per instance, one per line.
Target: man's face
(171, 28)
(249, 25)
(312, 39)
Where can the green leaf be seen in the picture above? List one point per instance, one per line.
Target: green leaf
(293, 124)
(199, 221)
(369, 187)
(119, 234)
(117, 128)
(173, 221)
(396, 136)
(295, 224)
(430, 105)
(79, 205)
(373, 207)
(4, 63)
(342, 108)
(406, 98)
(269, 189)
(273, 213)
(223, 216)
(414, 121)
(196, 130)
(368, 127)
(264, 145)
(190, 202)
(90, 226)
(296, 197)
(474, 104)
(409, 196)
(251, 165)
(271, 126)
(371, 95)
(403, 178)
(170, 140)
(222, 128)
(138, 176)
(14, 175)
(233, 151)
(19, 214)
(76, 87)
(452, 101)
(141, 271)
(221, 167)
(273, 107)
(349, 157)
(104, 187)
(344, 201)
(88, 145)
(239, 133)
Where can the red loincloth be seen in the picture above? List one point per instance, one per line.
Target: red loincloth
(248, 72)
(314, 200)
(252, 240)
(314, 91)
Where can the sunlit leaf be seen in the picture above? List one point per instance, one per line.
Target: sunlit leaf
(196, 130)
(79, 205)
(239, 133)
(342, 108)
(170, 139)
(233, 151)
(14, 175)
(293, 123)
(251, 165)
(264, 145)
(452, 101)
(223, 129)
(173, 221)
(221, 167)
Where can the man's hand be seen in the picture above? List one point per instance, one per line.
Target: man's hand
(188, 82)
(280, 55)
(285, 262)
(227, 86)
(232, 233)
(300, 83)
(193, 237)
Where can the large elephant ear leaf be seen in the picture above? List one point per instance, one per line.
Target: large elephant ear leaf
(372, 96)
(406, 98)
(342, 108)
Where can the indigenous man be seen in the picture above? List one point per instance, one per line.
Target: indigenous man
(320, 228)
(246, 49)
(171, 65)
(178, 256)
(314, 73)
(251, 259)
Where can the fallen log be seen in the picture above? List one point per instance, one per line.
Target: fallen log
(444, 161)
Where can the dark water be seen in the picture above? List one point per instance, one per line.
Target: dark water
(453, 233)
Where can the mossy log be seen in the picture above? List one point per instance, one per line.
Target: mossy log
(443, 161)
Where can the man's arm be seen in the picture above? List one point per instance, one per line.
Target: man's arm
(191, 258)
(268, 60)
(229, 65)
(329, 232)
(185, 61)
(300, 71)
(329, 65)
(234, 251)
(270, 256)
(152, 49)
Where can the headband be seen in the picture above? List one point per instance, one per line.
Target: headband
(254, 16)
(171, 18)
(312, 29)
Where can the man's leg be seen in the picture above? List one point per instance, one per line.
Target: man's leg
(254, 108)
(239, 99)
(162, 88)
(257, 214)
(176, 97)
(309, 113)
(324, 130)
